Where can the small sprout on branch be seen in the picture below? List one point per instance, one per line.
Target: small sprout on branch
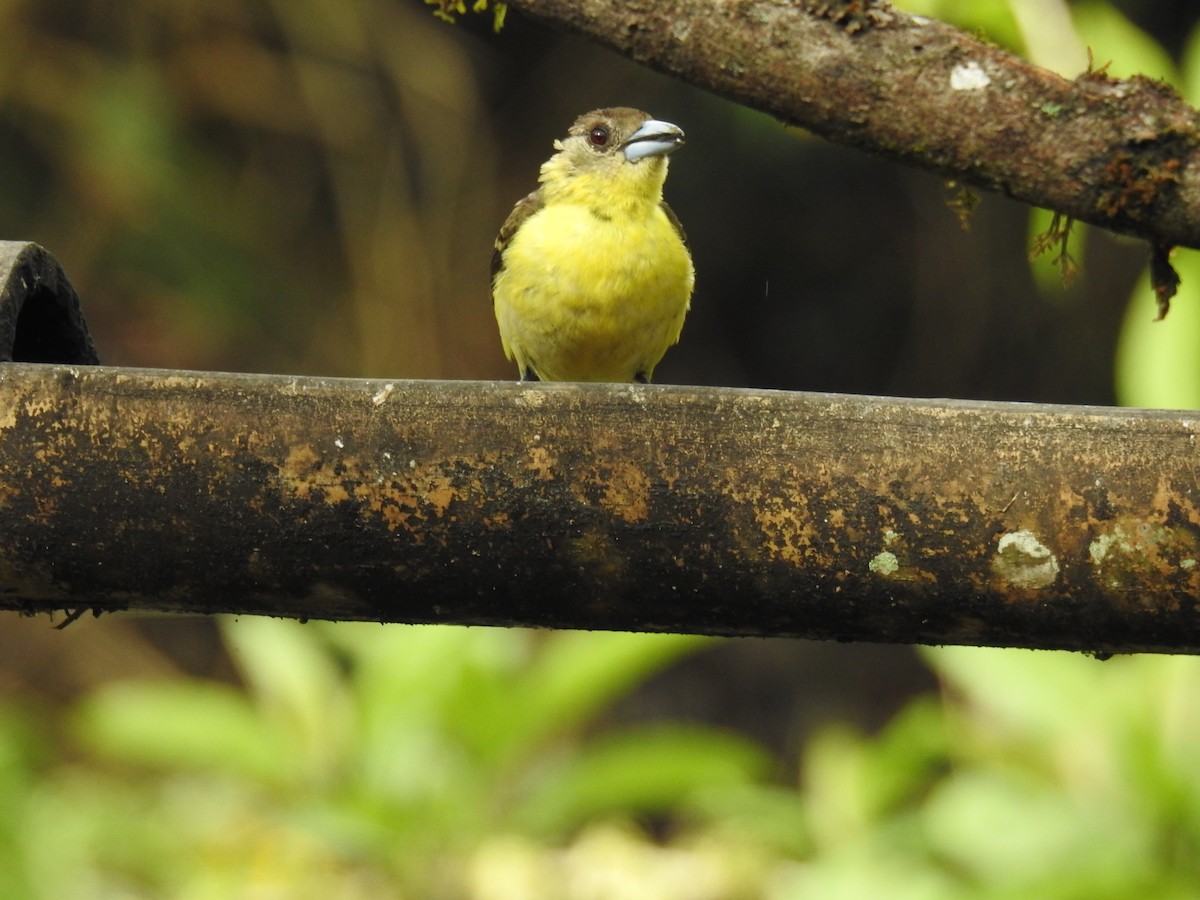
(962, 202)
(1092, 73)
(1058, 235)
(852, 15)
(1163, 278)
(449, 10)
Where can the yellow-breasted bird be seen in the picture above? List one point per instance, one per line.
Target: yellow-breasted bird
(591, 276)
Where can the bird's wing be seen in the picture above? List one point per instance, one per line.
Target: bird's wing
(674, 220)
(522, 211)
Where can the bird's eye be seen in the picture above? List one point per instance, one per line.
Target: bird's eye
(598, 136)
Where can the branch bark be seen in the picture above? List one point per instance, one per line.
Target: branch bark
(1120, 154)
(638, 508)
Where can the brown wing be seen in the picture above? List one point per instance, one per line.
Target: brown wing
(674, 219)
(522, 211)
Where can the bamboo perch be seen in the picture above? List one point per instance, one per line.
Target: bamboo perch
(639, 508)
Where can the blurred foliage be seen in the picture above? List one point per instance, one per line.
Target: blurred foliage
(372, 761)
(252, 184)
(232, 184)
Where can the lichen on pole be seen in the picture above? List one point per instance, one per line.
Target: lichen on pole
(640, 508)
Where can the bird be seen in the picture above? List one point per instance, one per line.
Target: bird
(591, 274)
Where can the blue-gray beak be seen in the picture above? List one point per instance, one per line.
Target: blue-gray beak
(654, 138)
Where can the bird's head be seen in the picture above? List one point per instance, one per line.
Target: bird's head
(619, 152)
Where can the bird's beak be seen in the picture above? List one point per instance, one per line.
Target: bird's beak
(654, 138)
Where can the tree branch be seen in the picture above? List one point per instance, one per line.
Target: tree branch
(639, 508)
(1120, 154)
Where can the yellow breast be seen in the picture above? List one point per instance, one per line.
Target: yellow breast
(585, 297)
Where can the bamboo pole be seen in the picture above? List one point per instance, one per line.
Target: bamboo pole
(639, 508)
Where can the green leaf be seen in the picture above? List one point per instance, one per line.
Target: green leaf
(21, 748)
(421, 669)
(640, 772)
(572, 677)
(1003, 828)
(1024, 690)
(579, 672)
(183, 725)
(991, 17)
(1156, 361)
(292, 678)
(907, 757)
(771, 815)
(1190, 66)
